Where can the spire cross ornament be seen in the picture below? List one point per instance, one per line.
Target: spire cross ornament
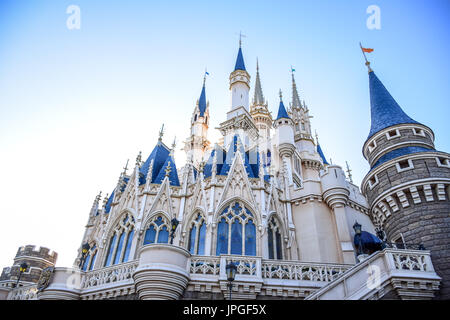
(240, 38)
(349, 172)
(161, 133)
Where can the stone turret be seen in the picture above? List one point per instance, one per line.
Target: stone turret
(36, 259)
(407, 186)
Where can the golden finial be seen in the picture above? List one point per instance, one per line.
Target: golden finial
(281, 95)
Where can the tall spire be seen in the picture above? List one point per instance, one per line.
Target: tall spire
(202, 99)
(295, 98)
(258, 99)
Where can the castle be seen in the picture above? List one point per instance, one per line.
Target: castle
(266, 199)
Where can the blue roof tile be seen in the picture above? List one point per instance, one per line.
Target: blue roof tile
(239, 61)
(398, 153)
(282, 113)
(173, 175)
(202, 102)
(159, 155)
(320, 152)
(385, 111)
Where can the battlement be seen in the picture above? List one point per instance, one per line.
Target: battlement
(40, 252)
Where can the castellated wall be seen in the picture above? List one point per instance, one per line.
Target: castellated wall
(37, 260)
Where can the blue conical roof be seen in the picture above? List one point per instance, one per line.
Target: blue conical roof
(385, 111)
(282, 113)
(239, 61)
(202, 102)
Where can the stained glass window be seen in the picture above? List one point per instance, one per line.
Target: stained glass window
(120, 249)
(236, 233)
(157, 231)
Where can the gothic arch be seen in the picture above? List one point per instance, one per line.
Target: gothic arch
(118, 239)
(157, 224)
(194, 231)
(247, 218)
(276, 233)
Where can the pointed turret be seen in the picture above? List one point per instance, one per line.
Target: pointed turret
(202, 100)
(197, 143)
(239, 83)
(240, 65)
(282, 113)
(385, 111)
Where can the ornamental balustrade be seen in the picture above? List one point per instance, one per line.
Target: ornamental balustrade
(291, 270)
(114, 275)
(23, 293)
(411, 272)
(250, 268)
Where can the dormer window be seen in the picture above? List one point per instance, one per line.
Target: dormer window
(443, 162)
(404, 165)
(373, 181)
(372, 146)
(418, 132)
(393, 134)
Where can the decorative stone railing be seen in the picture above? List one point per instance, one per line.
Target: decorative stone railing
(292, 270)
(23, 293)
(114, 275)
(205, 265)
(408, 273)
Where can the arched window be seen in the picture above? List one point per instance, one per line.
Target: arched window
(89, 261)
(274, 239)
(157, 231)
(197, 236)
(120, 242)
(236, 231)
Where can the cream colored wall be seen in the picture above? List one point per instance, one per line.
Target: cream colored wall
(315, 232)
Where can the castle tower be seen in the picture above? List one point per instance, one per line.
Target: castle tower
(239, 121)
(261, 115)
(197, 143)
(284, 141)
(36, 259)
(239, 83)
(407, 186)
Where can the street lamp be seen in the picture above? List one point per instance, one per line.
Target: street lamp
(174, 223)
(22, 268)
(230, 269)
(84, 250)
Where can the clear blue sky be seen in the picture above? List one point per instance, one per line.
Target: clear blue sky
(76, 104)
